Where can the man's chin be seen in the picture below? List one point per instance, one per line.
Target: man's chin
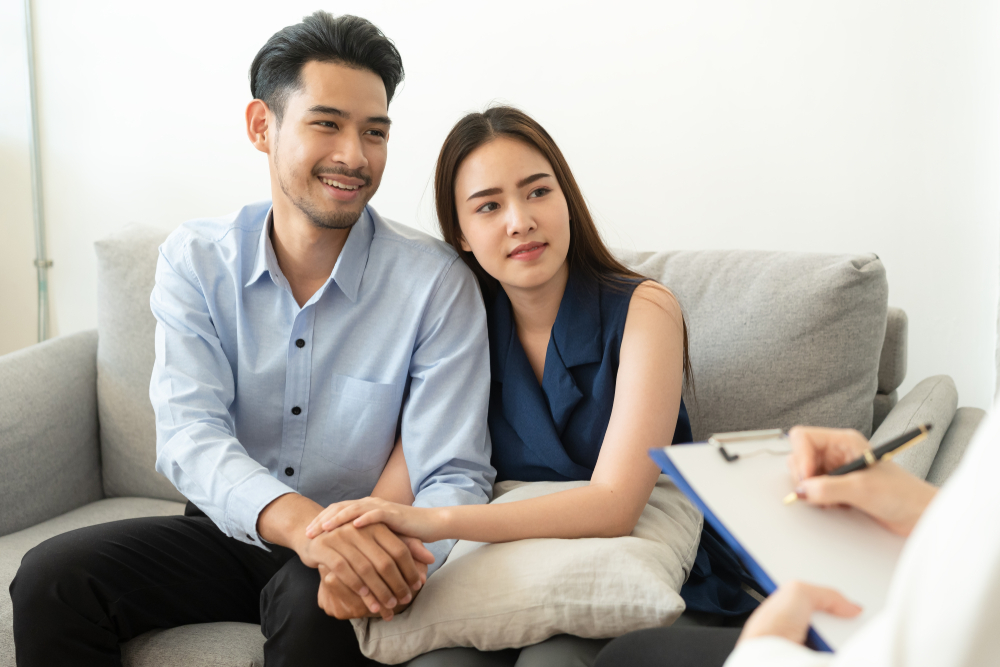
(339, 219)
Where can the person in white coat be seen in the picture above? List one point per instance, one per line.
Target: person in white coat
(943, 607)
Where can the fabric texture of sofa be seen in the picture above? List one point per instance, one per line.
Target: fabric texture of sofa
(775, 339)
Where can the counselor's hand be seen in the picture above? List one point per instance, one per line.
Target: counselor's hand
(787, 612)
(377, 566)
(886, 492)
(423, 523)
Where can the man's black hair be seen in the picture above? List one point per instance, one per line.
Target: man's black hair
(350, 40)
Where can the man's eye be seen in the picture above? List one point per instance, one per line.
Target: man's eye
(377, 133)
(327, 123)
(488, 207)
(539, 192)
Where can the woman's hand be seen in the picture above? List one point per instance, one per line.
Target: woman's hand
(422, 523)
(788, 610)
(886, 492)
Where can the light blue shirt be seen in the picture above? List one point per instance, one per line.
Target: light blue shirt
(255, 397)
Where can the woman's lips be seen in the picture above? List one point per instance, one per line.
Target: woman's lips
(528, 251)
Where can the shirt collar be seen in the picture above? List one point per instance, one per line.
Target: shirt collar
(348, 270)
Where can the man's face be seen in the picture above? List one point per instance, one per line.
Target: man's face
(330, 151)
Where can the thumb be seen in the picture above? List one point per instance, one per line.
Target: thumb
(827, 490)
(832, 602)
(418, 550)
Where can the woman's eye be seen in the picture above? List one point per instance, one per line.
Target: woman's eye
(488, 207)
(539, 192)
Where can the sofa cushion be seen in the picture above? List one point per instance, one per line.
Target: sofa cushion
(126, 265)
(776, 338)
(933, 401)
(496, 596)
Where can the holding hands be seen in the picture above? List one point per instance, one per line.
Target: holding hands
(416, 522)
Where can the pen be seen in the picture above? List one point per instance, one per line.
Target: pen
(872, 456)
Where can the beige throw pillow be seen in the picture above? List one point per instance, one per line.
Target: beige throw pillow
(495, 596)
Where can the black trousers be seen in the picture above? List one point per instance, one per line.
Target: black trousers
(79, 595)
(670, 647)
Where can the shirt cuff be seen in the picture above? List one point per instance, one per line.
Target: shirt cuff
(776, 652)
(440, 549)
(247, 501)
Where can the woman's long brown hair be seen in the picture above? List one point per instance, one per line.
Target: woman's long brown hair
(587, 253)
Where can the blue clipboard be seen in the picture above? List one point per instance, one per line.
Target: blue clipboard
(813, 640)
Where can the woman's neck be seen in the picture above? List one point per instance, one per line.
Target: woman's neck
(535, 309)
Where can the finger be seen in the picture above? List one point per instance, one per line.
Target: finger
(826, 490)
(832, 602)
(350, 548)
(314, 528)
(369, 601)
(819, 450)
(351, 605)
(392, 561)
(370, 518)
(419, 551)
(346, 515)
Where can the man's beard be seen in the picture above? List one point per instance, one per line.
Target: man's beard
(327, 219)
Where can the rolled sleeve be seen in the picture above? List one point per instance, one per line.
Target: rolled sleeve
(444, 427)
(192, 389)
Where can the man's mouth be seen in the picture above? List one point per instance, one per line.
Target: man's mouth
(339, 184)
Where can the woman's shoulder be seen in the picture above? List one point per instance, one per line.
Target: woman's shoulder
(654, 306)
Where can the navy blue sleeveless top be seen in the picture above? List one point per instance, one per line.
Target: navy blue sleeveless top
(554, 432)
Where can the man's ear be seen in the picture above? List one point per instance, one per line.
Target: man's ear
(258, 127)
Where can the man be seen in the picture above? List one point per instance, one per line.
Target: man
(295, 340)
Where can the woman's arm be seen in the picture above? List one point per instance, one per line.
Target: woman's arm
(644, 415)
(394, 483)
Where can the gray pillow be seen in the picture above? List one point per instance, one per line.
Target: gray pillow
(776, 338)
(126, 266)
(933, 402)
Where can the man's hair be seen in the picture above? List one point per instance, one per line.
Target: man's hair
(349, 40)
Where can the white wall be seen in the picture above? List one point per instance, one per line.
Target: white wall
(18, 293)
(853, 126)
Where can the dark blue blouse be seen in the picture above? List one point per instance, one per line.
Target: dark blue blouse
(554, 432)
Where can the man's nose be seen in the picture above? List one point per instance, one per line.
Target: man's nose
(349, 151)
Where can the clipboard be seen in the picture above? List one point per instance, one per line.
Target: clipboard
(738, 480)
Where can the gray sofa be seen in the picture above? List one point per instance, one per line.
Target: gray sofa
(776, 339)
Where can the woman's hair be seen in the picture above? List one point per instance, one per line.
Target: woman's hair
(587, 253)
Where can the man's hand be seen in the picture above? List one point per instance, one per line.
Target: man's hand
(787, 612)
(372, 562)
(337, 600)
(886, 492)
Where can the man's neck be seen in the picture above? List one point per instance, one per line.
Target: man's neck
(306, 253)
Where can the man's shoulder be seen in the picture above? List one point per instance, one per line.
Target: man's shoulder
(410, 242)
(226, 233)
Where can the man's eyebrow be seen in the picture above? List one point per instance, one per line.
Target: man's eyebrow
(334, 111)
(530, 179)
(329, 111)
(485, 193)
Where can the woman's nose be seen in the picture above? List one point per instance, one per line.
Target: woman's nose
(519, 221)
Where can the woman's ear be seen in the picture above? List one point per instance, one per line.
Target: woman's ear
(465, 244)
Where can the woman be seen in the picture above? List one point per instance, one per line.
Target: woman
(942, 606)
(587, 357)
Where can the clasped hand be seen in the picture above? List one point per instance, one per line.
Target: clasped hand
(366, 571)
(415, 522)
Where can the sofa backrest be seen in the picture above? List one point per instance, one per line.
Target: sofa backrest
(776, 339)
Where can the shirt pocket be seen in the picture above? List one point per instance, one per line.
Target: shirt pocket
(360, 426)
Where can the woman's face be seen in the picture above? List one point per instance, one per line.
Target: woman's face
(512, 213)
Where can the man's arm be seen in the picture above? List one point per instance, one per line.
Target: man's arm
(192, 389)
(445, 435)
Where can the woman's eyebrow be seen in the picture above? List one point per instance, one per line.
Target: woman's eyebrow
(530, 179)
(520, 184)
(485, 193)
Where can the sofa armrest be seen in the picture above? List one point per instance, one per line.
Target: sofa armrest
(932, 401)
(963, 427)
(49, 446)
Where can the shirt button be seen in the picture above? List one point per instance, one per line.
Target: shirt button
(289, 471)
(300, 343)
(296, 410)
